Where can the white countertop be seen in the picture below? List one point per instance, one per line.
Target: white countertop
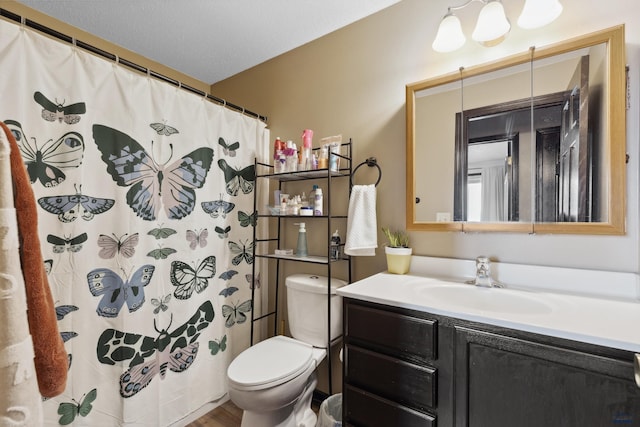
(601, 321)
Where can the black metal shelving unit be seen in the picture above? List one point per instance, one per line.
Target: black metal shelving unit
(326, 175)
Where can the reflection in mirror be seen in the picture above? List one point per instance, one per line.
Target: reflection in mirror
(534, 139)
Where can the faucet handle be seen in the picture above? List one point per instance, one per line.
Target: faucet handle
(482, 260)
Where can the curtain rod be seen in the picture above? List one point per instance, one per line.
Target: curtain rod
(110, 56)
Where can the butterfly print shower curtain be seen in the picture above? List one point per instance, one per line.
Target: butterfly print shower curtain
(145, 207)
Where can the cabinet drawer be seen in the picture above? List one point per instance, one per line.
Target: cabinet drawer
(408, 336)
(367, 410)
(391, 378)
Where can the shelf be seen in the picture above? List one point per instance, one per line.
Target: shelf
(302, 216)
(310, 258)
(282, 180)
(312, 174)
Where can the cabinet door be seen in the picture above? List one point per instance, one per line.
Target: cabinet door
(503, 381)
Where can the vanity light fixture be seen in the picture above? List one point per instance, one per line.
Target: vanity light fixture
(492, 25)
(538, 13)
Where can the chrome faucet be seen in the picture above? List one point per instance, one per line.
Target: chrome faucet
(483, 274)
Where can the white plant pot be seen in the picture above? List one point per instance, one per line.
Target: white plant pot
(398, 259)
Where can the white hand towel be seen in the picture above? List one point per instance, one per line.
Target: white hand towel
(362, 226)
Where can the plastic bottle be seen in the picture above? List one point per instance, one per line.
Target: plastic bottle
(312, 196)
(301, 249)
(278, 148)
(317, 204)
(323, 160)
(334, 160)
(335, 246)
(292, 157)
(281, 164)
(306, 158)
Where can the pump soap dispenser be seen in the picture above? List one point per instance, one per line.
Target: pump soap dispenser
(301, 249)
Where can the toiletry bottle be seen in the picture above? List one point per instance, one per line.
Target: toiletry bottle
(334, 160)
(306, 158)
(323, 159)
(278, 149)
(312, 195)
(281, 165)
(317, 205)
(301, 249)
(292, 157)
(335, 246)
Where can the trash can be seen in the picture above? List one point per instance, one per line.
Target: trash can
(330, 414)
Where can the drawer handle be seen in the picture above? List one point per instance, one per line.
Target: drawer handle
(636, 368)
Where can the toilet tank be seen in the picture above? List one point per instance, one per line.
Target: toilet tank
(307, 308)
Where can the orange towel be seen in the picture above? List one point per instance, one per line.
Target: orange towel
(50, 355)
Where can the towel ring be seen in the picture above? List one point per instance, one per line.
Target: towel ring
(371, 162)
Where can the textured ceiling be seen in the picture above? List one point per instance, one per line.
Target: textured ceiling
(209, 40)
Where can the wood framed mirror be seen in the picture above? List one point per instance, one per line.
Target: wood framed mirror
(533, 143)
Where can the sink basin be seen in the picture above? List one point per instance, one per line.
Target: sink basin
(495, 300)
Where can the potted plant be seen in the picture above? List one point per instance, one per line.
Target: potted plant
(398, 251)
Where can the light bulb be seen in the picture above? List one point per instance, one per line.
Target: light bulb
(538, 13)
(450, 36)
(492, 26)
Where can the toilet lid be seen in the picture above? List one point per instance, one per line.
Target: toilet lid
(270, 362)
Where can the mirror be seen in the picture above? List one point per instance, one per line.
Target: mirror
(531, 143)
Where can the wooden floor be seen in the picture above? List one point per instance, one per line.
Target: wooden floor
(225, 415)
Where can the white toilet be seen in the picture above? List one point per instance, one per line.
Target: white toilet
(273, 381)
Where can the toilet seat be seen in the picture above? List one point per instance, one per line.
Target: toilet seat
(269, 363)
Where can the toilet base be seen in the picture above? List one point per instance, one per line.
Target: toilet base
(297, 414)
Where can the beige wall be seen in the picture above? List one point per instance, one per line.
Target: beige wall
(353, 80)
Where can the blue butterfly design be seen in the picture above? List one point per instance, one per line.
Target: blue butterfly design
(67, 335)
(227, 275)
(217, 208)
(115, 291)
(63, 310)
(69, 207)
(226, 292)
(170, 187)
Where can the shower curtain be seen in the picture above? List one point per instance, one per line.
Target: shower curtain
(145, 195)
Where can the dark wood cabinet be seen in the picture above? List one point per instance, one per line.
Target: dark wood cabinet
(410, 368)
(506, 381)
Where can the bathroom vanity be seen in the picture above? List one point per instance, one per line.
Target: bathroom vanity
(419, 354)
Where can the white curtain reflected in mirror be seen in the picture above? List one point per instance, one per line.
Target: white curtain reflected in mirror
(488, 181)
